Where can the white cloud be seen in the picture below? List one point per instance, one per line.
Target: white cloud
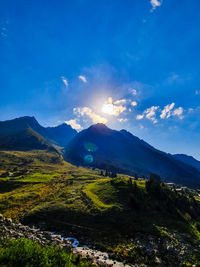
(113, 108)
(65, 81)
(151, 113)
(178, 112)
(92, 115)
(122, 120)
(133, 103)
(155, 4)
(74, 124)
(82, 78)
(166, 112)
(169, 111)
(121, 101)
(139, 117)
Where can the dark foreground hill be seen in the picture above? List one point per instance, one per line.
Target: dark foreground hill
(26, 133)
(120, 151)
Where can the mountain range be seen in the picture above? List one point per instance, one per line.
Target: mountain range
(122, 152)
(100, 147)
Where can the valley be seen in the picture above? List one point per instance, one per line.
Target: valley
(135, 222)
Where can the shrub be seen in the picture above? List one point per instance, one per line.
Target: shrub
(24, 252)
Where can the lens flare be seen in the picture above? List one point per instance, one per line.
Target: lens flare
(91, 147)
(88, 159)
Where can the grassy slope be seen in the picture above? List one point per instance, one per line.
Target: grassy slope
(42, 187)
(24, 252)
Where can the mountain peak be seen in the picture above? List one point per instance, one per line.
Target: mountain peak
(125, 131)
(62, 133)
(99, 128)
(23, 118)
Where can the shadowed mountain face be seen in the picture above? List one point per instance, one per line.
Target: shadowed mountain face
(61, 134)
(101, 147)
(23, 133)
(188, 160)
(26, 133)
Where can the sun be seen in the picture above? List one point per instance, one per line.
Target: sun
(108, 108)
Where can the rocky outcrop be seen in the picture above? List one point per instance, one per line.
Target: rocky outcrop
(9, 229)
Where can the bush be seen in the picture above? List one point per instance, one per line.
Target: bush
(24, 252)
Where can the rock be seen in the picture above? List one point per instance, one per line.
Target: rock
(158, 260)
(1, 217)
(8, 221)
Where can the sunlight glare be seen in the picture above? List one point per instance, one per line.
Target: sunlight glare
(108, 108)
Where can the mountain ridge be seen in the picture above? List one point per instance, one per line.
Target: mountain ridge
(188, 160)
(27, 128)
(123, 152)
(62, 133)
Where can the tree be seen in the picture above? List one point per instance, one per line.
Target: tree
(153, 185)
(155, 177)
(135, 187)
(113, 174)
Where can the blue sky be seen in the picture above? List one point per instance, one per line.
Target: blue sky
(131, 64)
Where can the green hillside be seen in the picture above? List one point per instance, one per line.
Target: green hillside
(114, 214)
(23, 252)
(25, 140)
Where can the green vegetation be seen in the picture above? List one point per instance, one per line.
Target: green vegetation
(38, 186)
(24, 252)
(100, 193)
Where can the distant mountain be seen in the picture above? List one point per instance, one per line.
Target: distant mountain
(26, 133)
(23, 133)
(61, 134)
(101, 147)
(188, 160)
